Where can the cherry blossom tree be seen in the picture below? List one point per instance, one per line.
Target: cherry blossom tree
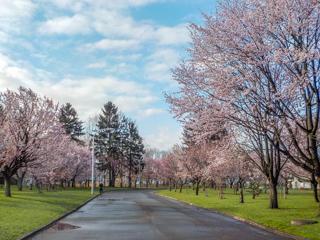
(28, 120)
(169, 166)
(194, 164)
(34, 143)
(240, 167)
(152, 171)
(61, 160)
(254, 66)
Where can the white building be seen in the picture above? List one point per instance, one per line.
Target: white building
(300, 184)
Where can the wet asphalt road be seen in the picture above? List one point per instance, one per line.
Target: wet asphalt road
(139, 215)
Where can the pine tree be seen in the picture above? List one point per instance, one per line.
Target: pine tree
(118, 145)
(71, 123)
(134, 151)
(108, 141)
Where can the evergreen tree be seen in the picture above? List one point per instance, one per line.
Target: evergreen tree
(69, 118)
(108, 141)
(134, 151)
(118, 145)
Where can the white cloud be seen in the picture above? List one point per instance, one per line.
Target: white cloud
(113, 44)
(111, 20)
(110, 4)
(131, 57)
(172, 35)
(152, 112)
(163, 138)
(16, 9)
(158, 67)
(77, 24)
(15, 17)
(74, 5)
(133, 103)
(11, 74)
(4, 37)
(88, 94)
(96, 65)
(115, 23)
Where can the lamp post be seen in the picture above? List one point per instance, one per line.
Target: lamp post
(92, 130)
(140, 183)
(92, 166)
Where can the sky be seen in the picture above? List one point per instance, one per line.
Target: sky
(88, 52)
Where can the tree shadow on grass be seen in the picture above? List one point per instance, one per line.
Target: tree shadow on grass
(53, 202)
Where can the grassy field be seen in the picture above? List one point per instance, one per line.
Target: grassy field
(28, 210)
(297, 205)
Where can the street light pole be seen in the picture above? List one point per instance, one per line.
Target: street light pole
(140, 183)
(92, 166)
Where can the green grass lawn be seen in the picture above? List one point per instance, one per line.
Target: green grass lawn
(28, 210)
(298, 205)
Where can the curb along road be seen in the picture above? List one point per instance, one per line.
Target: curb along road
(236, 218)
(28, 236)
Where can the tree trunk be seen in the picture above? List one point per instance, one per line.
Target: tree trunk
(73, 183)
(111, 178)
(235, 191)
(284, 192)
(315, 192)
(61, 184)
(181, 186)
(121, 181)
(221, 191)
(286, 188)
(211, 184)
(170, 187)
(113, 184)
(20, 174)
(38, 186)
(19, 183)
(265, 188)
(241, 193)
(273, 196)
(318, 180)
(7, 186)
(314, 184)
(197, 188)
(130, 179)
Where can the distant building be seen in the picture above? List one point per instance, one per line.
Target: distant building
(298, 183)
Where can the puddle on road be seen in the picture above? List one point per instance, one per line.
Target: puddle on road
(113, 199)
(110, 199)
(62, 226)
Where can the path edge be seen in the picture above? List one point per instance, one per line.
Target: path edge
(27, 236)
(268, 229)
